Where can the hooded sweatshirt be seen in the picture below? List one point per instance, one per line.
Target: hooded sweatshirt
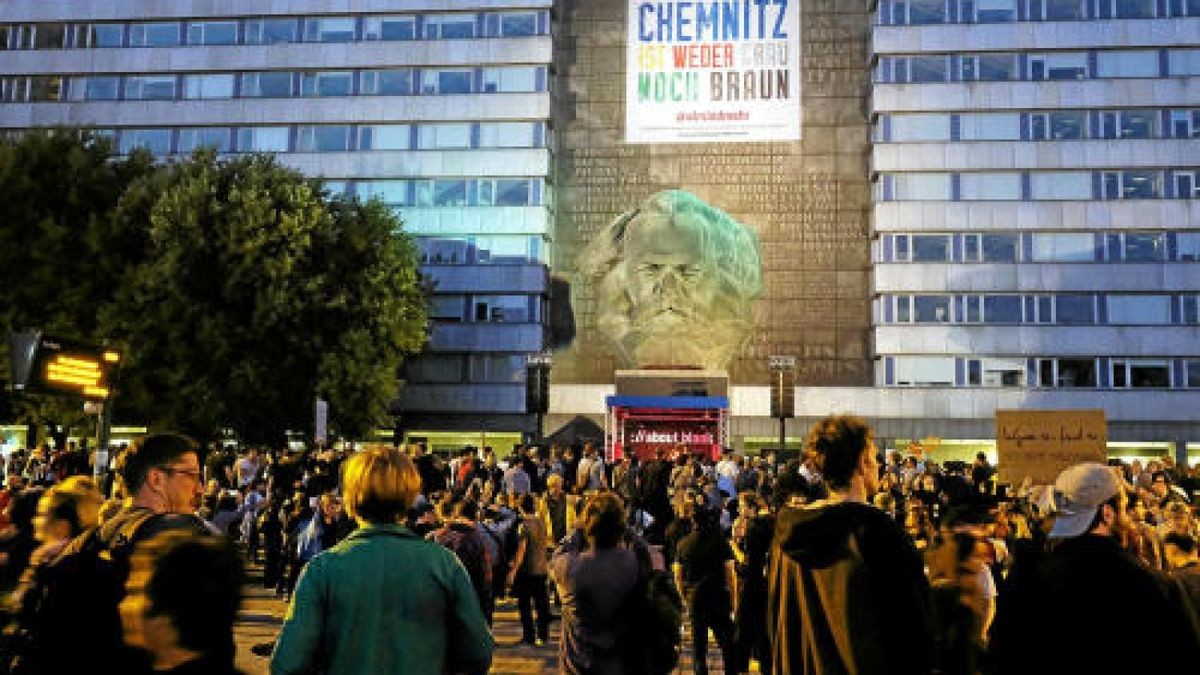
(847, 594)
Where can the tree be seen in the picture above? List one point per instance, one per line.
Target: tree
(258, 293)
(63, 254)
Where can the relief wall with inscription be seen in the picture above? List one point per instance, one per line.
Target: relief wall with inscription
(806, 200)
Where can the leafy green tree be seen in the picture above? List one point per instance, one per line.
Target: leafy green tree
(258, 293)
(64, 255)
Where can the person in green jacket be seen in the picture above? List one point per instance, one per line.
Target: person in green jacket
(383, 601)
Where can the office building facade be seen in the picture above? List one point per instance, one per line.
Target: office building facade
(440, 109)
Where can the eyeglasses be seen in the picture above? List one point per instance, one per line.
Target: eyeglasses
(192, 473)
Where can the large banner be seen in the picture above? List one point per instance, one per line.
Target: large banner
(708, 71)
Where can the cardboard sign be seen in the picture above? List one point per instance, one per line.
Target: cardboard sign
(1041, 443)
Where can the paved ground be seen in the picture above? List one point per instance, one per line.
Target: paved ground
(262, 615)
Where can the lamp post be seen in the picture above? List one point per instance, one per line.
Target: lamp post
(537, 389)
(783, 381)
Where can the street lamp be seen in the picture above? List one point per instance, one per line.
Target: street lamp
(537, 388)
(783, 404)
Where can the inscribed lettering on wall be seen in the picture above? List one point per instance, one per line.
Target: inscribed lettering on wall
(1041, 443)
(712, 71)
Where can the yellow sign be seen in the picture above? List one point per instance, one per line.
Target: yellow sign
(1041, 443)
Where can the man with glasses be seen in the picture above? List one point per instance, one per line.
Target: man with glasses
(162, 478)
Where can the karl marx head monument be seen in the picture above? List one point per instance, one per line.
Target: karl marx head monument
(675, 282)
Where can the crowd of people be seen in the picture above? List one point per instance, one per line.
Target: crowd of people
(842, 559)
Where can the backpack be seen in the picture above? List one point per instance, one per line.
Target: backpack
(76, 595)
(652, 637)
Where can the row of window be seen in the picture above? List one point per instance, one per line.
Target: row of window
(496, 249)
(1066, 309)
(462, 368)
(442, 192)
(275, 30)
(1039, 185)
(1038, 66)
(1044, 125)
(164, 141)
(1040, 247)
(1050, 372)
(923, 12)
(485, 308)
(274, 84)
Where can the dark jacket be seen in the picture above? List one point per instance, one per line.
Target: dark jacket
(847, 594)
(1087, 590)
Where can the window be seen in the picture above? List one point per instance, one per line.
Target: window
(513, 192)
(991, 248)
(212, 32)
(269, 84)
(1142, 63)
(150, 87)
(1187, 246)
(327, 83)
(989, 11)
(46, 88)
(509, 134)
(506, 308)
(931, 308)
(329, 29)
(446, 307)
(996, 372)
(1056, 10)
(263, 139)
(95, 88)
(390, 28)
(157, 141)
(1058, 66)
(1074, 309)
(1187, 184)
(1128, 124)
(1185, 123)
(49, 36)
(1139, 309)
(449, 192)
(1060, 125)
(208, 86)
(393, 82)
(154, 34)
(434, 368)
(1192, 369)
(927, 68)
(1002, 308)
(907, 128)
(1183, 62)
(990, 186)
(324, 138)
(193, 139)
(442, 251)
(513, 79)
(924, 371)
(449, 26)
(930, 248)
(101, 35)
(1124, 9)
(444, 136)
(1131, 184)
(518, 24)
(271, 31)
(1060, 185)
(385, 137)
(1138, 373)
(922, 186)
(509, 368)
(1066, 373)
(1065, 247)
(990, 127)
(1144, 246)
(446, 81)
(391, 192)
(989, 67)
(919, 12)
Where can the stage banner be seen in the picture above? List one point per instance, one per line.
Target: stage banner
(1041, 443)
(709, 71)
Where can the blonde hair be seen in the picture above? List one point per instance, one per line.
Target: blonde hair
(76, 500)
(379, 485)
